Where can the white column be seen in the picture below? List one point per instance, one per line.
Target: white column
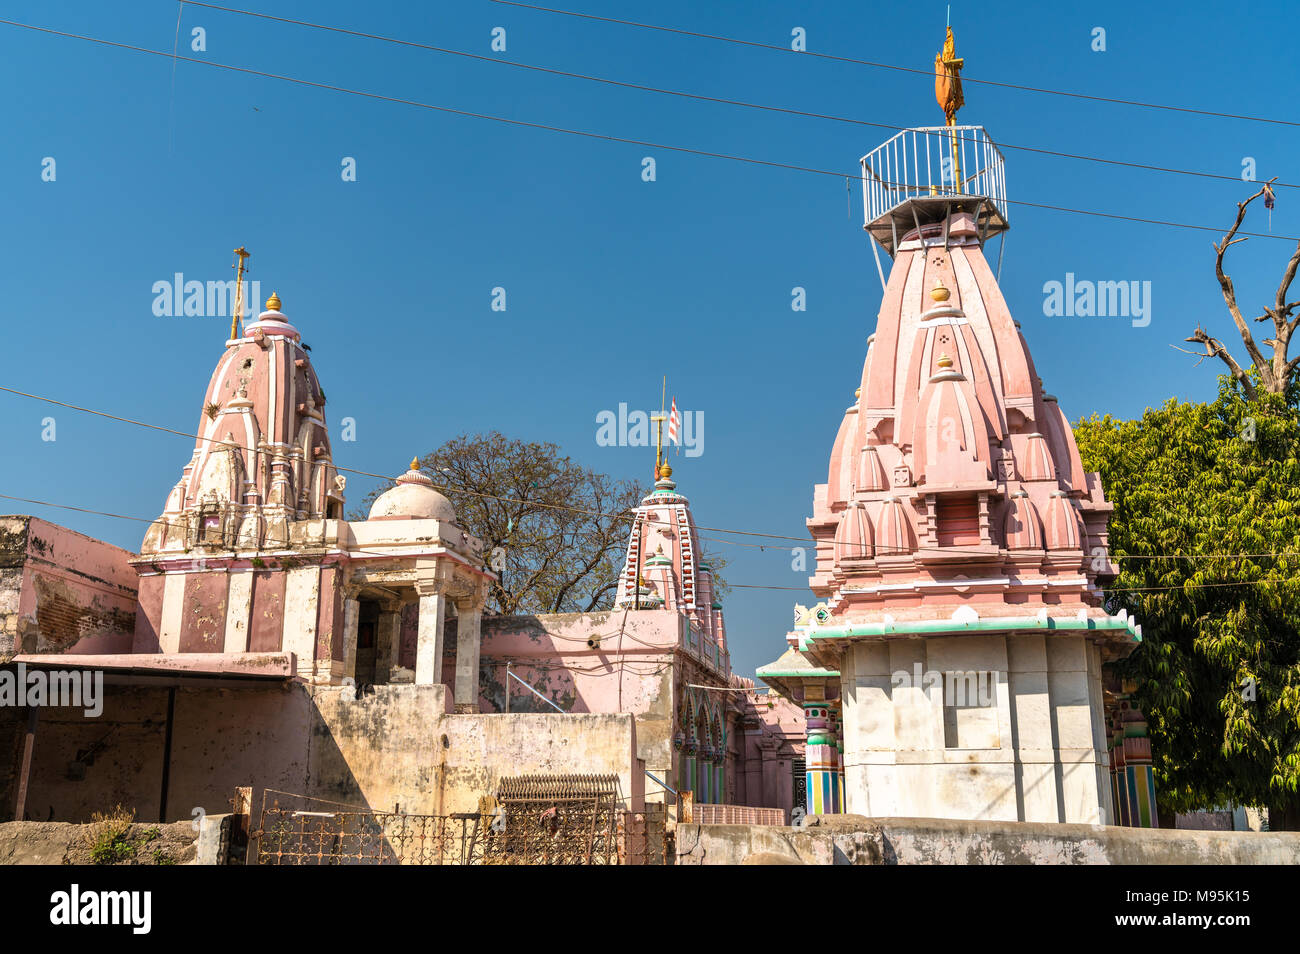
(239, 604)
(468, 644)
(351, 616)
(428, 642)
(173, 609)
(301, 604)
(388, 642)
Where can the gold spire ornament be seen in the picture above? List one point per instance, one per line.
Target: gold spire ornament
(415, 463)
(947, 92)
(237, 313)
(273, 303)
(939, 292)
(660, 463)
(947, 79)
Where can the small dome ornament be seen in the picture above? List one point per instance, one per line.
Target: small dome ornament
(413, 496)
(939, 293)
(273, 303)
(665, 470)
(945, 362)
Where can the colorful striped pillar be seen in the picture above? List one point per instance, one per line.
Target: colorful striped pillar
(820, 757)
(1139, 777)
(837, 712)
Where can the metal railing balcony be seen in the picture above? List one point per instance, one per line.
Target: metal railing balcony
(922, 175)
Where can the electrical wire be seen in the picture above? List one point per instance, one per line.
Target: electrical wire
(929, 74)
(501, 61)
(747, 586)
(605, 137)
(623, 514)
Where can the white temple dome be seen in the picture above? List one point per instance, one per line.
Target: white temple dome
(413, 499)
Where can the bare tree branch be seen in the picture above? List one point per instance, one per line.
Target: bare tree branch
(1274, 372)
(1215, 349)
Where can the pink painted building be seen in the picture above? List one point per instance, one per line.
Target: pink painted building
(953, 664)
(251, 554)
(259, 637)
(660, 654)
(62, 591)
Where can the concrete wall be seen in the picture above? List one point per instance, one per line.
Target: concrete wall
(395, 746)
(1037, 753)
(633, 674)
(855, 839)
(61, 591)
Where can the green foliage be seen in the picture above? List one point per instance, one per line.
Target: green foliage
(107, 836)
(554, 531)
(1219, 668)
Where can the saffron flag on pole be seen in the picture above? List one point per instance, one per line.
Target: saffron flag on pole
(672, 423)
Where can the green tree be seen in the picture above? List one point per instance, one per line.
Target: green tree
(1206, 530)
(555, 532)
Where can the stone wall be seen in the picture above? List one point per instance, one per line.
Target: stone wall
(856, 839)
(61, 843)
(393, 746)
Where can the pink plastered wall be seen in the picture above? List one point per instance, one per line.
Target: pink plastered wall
(74, 593)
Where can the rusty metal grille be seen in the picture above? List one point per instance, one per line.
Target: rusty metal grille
(645, 838)
(533, 820)
(555, 820)
(297, 830)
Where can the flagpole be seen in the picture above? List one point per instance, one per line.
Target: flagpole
(659, 429)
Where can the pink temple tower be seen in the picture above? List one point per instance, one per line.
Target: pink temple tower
(959, 540)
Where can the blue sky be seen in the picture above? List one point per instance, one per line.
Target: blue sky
(611, 281)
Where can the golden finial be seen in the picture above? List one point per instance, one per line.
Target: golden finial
(273, 303)
(857, 392)
(415, 463)
(665, 470)
(939, 292)
(947, 79)
(947, 92)
(945, 362)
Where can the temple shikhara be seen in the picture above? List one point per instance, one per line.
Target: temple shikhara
(263, 650)
(955, 664)
(267, 643)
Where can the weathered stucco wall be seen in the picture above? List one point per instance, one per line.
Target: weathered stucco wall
(394, 746)
(61, 591)
(856, 839)
(634, 673)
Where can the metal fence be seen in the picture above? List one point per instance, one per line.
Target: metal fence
(531, 820)
(954, 166)
(297, 830)
(556, 820)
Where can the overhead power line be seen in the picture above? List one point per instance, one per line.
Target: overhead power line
(501, 61)
(803, 541)
(607, 137)
(739, 586)
(893, 66)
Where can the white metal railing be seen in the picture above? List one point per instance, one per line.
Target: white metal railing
(932, 161)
